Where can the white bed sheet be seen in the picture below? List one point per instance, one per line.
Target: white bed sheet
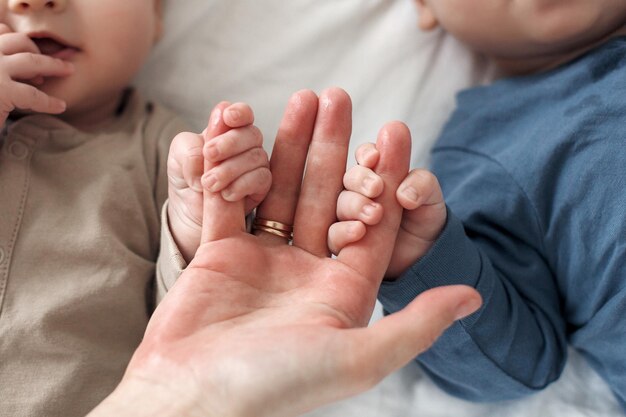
(260, 51)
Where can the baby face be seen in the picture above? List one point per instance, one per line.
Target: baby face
(106, 40)
(513, 29)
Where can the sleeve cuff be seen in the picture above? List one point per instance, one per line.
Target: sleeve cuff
(171, 262)
(453, 260)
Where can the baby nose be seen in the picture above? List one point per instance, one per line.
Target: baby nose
(29, 6)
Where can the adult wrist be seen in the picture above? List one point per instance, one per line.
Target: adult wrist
(142, 398)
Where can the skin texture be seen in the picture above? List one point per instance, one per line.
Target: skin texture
(281, 332)
(112, 39)
(526, 36)
(228, 159)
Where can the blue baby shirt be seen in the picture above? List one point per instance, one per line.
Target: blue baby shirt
(533, 170)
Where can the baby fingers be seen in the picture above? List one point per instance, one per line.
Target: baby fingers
(185, 163)
(354, 206)
(341, 234)
(232, 143)
(238, 115)
(12, 43)
(419, 188)
(27, 97)
(364, 181)
(223, 174)
(367, 155)
(27, 65)
(421, 196)
(254, 184)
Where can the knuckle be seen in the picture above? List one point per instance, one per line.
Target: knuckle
(222, 173)
(350, 177)
(257, 136)
(172, 163)
(257, 156)
(176, 142)
(36, 95)
(178, 139)
(265, 178)
(35, 59)
(192, 150)
(425, 179)
(227, 141)
(187, 143)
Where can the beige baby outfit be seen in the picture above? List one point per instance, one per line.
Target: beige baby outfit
(80, 218)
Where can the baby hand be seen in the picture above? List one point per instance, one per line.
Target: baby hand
(22, 64)
(240, 170)
(422, 221)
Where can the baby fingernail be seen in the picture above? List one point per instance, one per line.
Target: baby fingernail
(369, 154)
(209, 181)
(410, 193)
(370, 209)
(354, 229)
(368, 183)
(234, 114)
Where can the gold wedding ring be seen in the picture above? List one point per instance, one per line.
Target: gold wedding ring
(273, 227)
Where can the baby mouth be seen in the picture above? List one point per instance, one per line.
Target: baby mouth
(54, 48)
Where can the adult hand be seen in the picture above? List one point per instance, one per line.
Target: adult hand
(256, 327)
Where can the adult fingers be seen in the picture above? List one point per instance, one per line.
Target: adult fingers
(393, 341)
(220, 218)
(370, 256)
(326, 165)
(288, 160)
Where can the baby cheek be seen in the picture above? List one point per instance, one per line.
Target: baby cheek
(126, 59)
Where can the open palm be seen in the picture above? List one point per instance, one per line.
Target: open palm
(257, 327)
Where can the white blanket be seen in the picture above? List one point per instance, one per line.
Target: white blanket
(260, 51)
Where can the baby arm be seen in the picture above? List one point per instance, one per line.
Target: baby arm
(419, 194)
(516, 344)
(22, 67)
(240, 169)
